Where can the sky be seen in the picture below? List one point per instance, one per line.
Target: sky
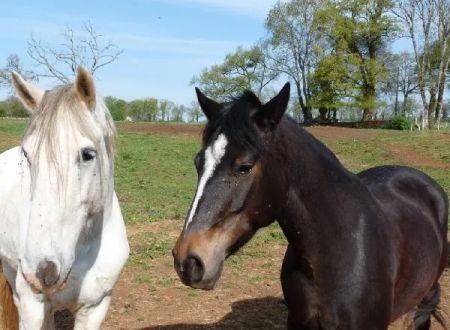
(165, 42)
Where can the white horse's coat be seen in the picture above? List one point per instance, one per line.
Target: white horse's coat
(62, 210)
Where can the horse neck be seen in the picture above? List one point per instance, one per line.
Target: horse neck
(318, 187)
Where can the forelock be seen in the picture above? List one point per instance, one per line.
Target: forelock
(235, 121)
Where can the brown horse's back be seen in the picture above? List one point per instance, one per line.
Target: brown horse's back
(417, 207)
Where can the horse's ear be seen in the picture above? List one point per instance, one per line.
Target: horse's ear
(84, 84)
(209, 107)
(28, 94)
(271, 112)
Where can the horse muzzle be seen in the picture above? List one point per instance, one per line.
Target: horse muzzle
(47, 278)
(193, 272)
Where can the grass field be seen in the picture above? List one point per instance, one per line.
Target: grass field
(155, 176)
(155, 181)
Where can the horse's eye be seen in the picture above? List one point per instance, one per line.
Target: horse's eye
(245, 168)
(88, 154)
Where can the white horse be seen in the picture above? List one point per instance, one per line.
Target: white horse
(63, 242)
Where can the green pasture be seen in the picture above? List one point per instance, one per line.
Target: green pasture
(156, 179)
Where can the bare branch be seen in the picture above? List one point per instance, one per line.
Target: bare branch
(13, 64)
(87, 48)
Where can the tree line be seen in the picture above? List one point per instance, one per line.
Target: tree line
(338, 55)
(152, 109)
(148, 109)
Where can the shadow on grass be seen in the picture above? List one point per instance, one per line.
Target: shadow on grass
(262, 313)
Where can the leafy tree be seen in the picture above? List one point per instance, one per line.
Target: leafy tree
(117, 107)
(427, 24)
(12, 107)
(177, 113)
(195, 112)
(358, 32)
(144, 109)
(328, 89)
(243, 69)
(294, 45)
(164, 109)
(402, 79)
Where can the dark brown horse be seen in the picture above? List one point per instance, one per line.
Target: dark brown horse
(363, 249)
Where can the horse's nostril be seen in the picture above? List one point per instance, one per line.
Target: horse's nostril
(194, 269)
(47, 273)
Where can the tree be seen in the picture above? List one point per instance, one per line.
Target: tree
(177, 113)
(87, 49)
(12, 107)
(402, 79)
(427, 24)
(328, 89)
(243, 69)
(358, 32)
(164, 109)
(293, 43)
(144, 109)
(13, 64)
(195, 112)
(117, 107)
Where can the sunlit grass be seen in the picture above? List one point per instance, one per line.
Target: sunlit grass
(156, 179)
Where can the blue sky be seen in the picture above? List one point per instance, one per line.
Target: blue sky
(166, 42)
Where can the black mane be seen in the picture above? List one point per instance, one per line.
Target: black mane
(235, 121)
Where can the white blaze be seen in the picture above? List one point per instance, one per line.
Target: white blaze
(213, 156)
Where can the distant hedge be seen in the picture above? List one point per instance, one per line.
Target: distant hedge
(12, 107)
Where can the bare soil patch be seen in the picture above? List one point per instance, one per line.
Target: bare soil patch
(249, 301)
(331, 132)
(413, 157)
(193, 131)
(248, 296)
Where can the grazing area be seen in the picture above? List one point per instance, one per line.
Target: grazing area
(156, 180)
